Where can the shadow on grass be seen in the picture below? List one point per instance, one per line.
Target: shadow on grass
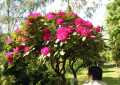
(107, 71)
(112, 81)
(109, 66)
(70, 81)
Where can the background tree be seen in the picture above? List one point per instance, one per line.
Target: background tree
(13, 11)
(113, 24)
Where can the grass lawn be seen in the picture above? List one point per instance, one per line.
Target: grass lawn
(111, 75)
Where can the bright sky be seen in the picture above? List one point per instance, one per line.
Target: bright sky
(100, 14)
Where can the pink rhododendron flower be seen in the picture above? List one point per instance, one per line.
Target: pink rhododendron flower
(8, 40)
(88, 24)
(85, 32)
(26, 49)
(59, 21)
(16, 50)
(46, 35)
(45, 51)
(69, 29)
(62, 34)
(98, 29)
(79, 21)
(82, 22)
(50, 16)
(21, 48)
(9, 56)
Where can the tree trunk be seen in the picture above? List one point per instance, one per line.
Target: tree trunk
(62, 81)
(59, 68)
(75, 80)
(74, 72)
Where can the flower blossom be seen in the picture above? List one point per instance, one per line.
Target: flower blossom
(59, 21)
(46, 35)
(26, 49)
(21, 48)
(16, 50)
(82, 22)
(50, 16)
(79, 21)
(45, 51)
(9, 56)
(62, 33)
(8, 40)
(69, 29)
(98, 29)
(85, 32)
(88, 24)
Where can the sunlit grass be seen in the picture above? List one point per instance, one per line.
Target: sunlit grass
(111, 75)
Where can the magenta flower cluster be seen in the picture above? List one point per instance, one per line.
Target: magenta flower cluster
(85, 28)
(15, 51)
(63, 33)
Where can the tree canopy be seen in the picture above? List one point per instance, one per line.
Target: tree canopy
(113, 24)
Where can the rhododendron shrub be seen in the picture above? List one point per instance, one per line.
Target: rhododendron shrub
(55, 38)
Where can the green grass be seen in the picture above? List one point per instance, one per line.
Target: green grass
(111, 75)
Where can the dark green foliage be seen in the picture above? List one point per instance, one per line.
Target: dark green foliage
(26, 75)
(19, 71)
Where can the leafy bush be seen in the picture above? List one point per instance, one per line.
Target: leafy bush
(51, 40)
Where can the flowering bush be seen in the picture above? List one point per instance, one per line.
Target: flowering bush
(55, 38)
